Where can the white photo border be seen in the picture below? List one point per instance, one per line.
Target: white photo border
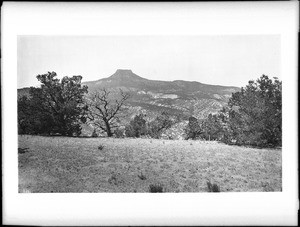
(193, 18)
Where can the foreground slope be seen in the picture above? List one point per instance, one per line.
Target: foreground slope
(60, 164)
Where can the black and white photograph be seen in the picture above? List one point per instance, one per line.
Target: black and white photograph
(107, 103)
(149, 114)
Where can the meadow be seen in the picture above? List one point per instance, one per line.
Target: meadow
(65, 164)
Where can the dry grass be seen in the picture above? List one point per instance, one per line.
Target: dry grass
(60, 164)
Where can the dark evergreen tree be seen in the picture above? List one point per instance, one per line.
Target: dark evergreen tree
(57, 107)
(192, 130)
(136, 127)
(162, 122)
(255, 114)
(212, 127)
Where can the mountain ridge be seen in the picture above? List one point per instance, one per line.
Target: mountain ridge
(120, 72)
(184, 98)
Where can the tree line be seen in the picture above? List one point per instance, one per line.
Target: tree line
(253, 116)
(60, 107)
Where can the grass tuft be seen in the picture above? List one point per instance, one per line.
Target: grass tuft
(142, 176)
(113, 179)
(100, 147)
(23, 150)
(213, 187)
(154, 188)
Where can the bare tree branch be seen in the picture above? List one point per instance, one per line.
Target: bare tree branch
(103, 112)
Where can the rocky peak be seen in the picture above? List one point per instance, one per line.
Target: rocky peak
(124, 74)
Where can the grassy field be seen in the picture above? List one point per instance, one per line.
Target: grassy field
(60, 164)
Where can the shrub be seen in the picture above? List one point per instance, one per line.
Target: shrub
(94, 134)
(23, 150)
(213, 187)
(155, 188)
(100, 147)
(113, 179)
(119, 133)
(142, 176)
(267, 187)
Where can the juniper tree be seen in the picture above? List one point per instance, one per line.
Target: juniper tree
(56, 106)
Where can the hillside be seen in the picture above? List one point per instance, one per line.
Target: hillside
(65, 164)
(180, 97)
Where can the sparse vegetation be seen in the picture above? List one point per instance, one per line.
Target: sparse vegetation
(70, 164)
(252, 117)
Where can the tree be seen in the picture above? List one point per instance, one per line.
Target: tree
(57, 106)
(136, 127)
(28, 123)
(255, 113)
(253, 116)
(193, 129)
(212, 126)
(104, 112)
(159, 124)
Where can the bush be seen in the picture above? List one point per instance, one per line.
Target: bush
(100, 147)
(23, 150)
(142, 176)
(119, 133)
(155, 188)
(213, 187)
(113, 179)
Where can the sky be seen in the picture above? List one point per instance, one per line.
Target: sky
(230, 60)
